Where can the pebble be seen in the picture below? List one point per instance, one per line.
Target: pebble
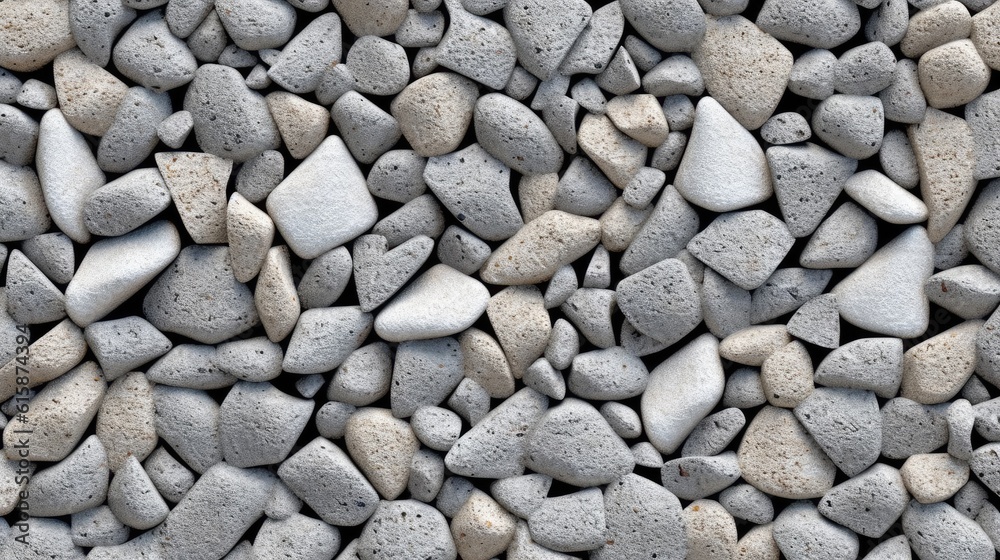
(379, 67)
(694, 478)
(745, 69)
(935, 26)
(88, 94)
(300, 65)
(53, 354)
(885, 199)
(785, 128)
(440, 302)
(133, 499)
(257, 24)
(984, 26)
(746, 502)
(275, 297)
(125, 421)
(869, 503)
(302, 125)
(643, 519)
(743, 389)
(785, 291)
(935, 370)
(934, 477)
(594, 47)
(817, 322)
(475, 47)
(331, 418)
(822, 24)
(188, 420)
(434, 112)
(640, 117)
(572, 523)
(311, 216)
(31, 297)
(250, 232)
(323, 338)
(97, 527)
(213, 305)
(94, 26)
(86, 467)
(711, 531)
(368, 130)
(455, 490)
(174, 130)
(398, 175)
(254, 404)
(197, 184)
(668, 25)
(363, 377)
(20, 189)
(19, 134)
(745, 247)
(426, 475)
(482, 528)
(646, 455)
(714, 433)
(36, 94)
(515, 135)
(424, 374)
(970, 291)
(970, 499)
(324, 477)
(60, 414)
(779, 457)
(846, 424)
(850, 124)
(48, 537)
(952, 249)
(885, 294)
(380, 19)
(421, 29)
(382, 447)
(801, 532)
(983, 114)
(666, 315)
(865, 70)
(681, 391)
(122, 345)
(544, 34)
(541, 377)
(898, 161)
(718, 145)
(895, 547)
(952, 74)
(910, 428)
(298, 534)
(753, 345)
(34, 33)
(943, 145)
(171, 478)
(555, 239)
(230, 120)
(786, 375)
(617, 155)
(678, 74)
(620, 77)
(125, 204)
(979, 227)
(589, 95)
(874, 364)
(437, 428)
(582, 190)
(132, 136)
(903, 101)
(406, 529)
(846, 239)
(150, 55)
(937, 530)
(521, 495)
(812, 74)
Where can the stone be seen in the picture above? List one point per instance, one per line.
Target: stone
(934, 477)
(97, 527)
(726, 246)
(786, 375)
(19, 133)
(515, 135)
(714, 433)
(323, 476)
(300, 535)
(617, 155)
(302, 125)
(677, 75)
(150, 55)
(903, 100)
(850, 124)
(846, 239)
(642, 519)
(88, 94)
(944, 148)
(779, 457)
(380, 19)
(53, 354)
(34, 34)
(885, 199)
(260, 404)
(711, 531)
(297, 206)
(595, 45)
(898, 161)
(801, 532)
(984, 26)
(323, 338)
(197, 183)
(571, 523)
(620, 77)
(212, 305)
(544, 33)
(807, 181)
(125, 420)
(746, 502)
(869, 503)
(132, 135)
(935, 26)
(404, 528)
(813, 74)
(846, 424)
(31, 297)
(133, 498)
(126, 203)
(440, 302)
(935, 530)
(434, 112)
(817, 322)
(86, 467)
(822, 24)
(865, 70)
(970, 291)
(694, 478)
(668, 25)
(935, 370)
(171, 478)
(640, 117)
(476, 47)
(785, 128)
(24, 213)
(952, 74)
(718, 145)
(368, 130)
(189, 365)
(122, 345)
(482, 528)
(554, 239)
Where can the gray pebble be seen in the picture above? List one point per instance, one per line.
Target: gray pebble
(133, 498)
(970, 291)
(188, 420)
(786, 128)
(398, 175)
(253, 359)
(904, 100)
(477, 48)
(437, 428)
(560, 116)
(453, 494)
(846, 424)
(225, 311)
(379, 18)
(97, 527)
(53, 254)
(621, 223)
(260, 404)
(643, 520)
(18, 136)
(714, 433)
(975, 391)
(785, 291)
(542, 377)
(421, 29)
(665, 233)
(36, 94)
(986, 466)
(426, 475)
(230, 119)
(971, 498)
(961, 418)
(368, 131)
(643, 187)
(122, 345)
(209, 39)
(813, 74)
(910, 428)
(283, 503)
(666, 314)
(309, 385)
(302, 124)
(470, 400)
(868, 504)
(382, 447)
(807, 181)
(677, 74)
(337, 80)
(95, 25)
(646, 455)
(184, 16)
(31, 297)
(983, 116)
(462, 250)
(817, 322)
(865, 70)
(190, 365)
(620, 76)
(888, 24)
(332, 417)
(363, 377)
(380, 273)
(844, 240)
(591, 310)
(821, 24)
(623, 420)
(745, 247)
(86, 467)
(10, 85)
(561, 286)
(300, 65)
(47, 538)
(711, 531)
(424, 374)
(297, 537)
(898, 160)
(669, 25)
(406, 529)
(644, 55)
(596, 44)
(588, 94)
(324, 477)
(874, 364)
(725, 306)
(746, 502)
(571, 523)
(989, 520)
(851, 124)
(801, 532)
(583, 190)
(325, 279)
(174, 130)
(952, 249)
(496, 446)
(126, 203)
(693, 478)
(939, 531)
(171, 478)
(515, 135)
(564, 344)
(149, 54)
(980, 229)
(743, 389)
(544, 33)
(257, 24)
(474, 187)
(521, 495)
(484, 362)
(323, 338)
(379, 67)
(521, 84)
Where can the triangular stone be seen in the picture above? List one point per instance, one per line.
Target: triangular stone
(817, 322)
(807, 181)
(31, 296)
(379, 273)
(197, 183)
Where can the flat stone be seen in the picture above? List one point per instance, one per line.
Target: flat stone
(846, 424)
(477, 48)
(817, 322)
(885, 199)
(785, 128)
(898, 161)
(571, 523)
(31, 297)
(910, 428)
(150, 55)
(642, 519)
(197, 183)
(844, 240)
(620, 77)
(175, 129)
(86, 467)
(554, 239)
(851, 124)
(300, 66)
(873, 364)
(409, 315)
(34, 34)
(482, 528)
(714, 433)
(122, 345)
(718, 146)
(822, 24)
(302, 125)
(936, 528)
(807, 181)
(801, 532)
(778, 456)
(745, 247)
(869, 503)
(404, 528)
(666, 314)
(935, 370)
(944, 148)
(676, 75)
(515, 135)
(786, 375)
(125, 421)
(126, 203)
(281, 416)
(640, 117)
(694, 478)
(97, 527)
(313, 217)
(970, 291)
(323, 338)
(668, 25)
(745, 69)
(324, 477)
